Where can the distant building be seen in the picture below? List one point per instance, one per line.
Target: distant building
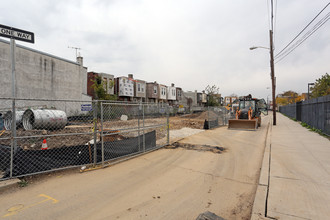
(140, 90)
(162, 96)
(204, 98)
(124, 88)
(152, 92)
(201, 98)
(171, 94)
(107, 78)
(230, 99)
(179, 95)
(190, 98)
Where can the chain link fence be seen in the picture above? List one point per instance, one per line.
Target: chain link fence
(217, 116)
(39, 136)
(46, 135)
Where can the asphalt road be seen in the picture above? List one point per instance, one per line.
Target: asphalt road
(165, 184)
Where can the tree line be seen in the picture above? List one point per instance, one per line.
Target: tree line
(320, 88)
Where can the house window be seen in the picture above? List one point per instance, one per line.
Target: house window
(124, 81)
(155, 89)
(139, 87)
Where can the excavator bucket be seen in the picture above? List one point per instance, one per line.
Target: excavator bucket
(243, 124)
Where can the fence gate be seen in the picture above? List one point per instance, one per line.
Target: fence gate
(129, 128)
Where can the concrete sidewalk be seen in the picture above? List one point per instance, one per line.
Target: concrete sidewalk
(295, 176)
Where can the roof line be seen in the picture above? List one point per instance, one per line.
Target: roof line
(38, 51)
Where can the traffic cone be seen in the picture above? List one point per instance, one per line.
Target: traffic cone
(44, 145)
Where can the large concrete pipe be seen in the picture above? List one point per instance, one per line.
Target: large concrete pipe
(8, 119)
(44, 119)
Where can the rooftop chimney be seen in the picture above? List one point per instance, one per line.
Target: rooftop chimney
(130, 76)
(80, 61)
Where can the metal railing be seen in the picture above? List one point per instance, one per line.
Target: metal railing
(39, 136)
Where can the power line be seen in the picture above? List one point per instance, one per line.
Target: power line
(278, 54)
(305, 37)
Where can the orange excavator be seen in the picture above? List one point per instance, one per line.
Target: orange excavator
(248, 114)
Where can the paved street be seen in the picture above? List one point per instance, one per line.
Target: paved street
(165, 184)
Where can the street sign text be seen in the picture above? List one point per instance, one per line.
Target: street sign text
(15, 33)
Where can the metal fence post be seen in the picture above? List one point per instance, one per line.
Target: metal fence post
(168, 125)
(95, 103)
(13, 78)
(208, 116)
(139, 115)
(144, 139)
(101, 135)
(14, 140)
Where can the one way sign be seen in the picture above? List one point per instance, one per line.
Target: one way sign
(15, 33)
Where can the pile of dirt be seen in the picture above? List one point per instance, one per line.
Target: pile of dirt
(206, 115)
(178, 123)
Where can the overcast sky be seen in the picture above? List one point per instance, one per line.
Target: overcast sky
(192, 43)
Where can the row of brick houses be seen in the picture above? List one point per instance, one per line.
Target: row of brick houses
(129, 89)
(126, 88)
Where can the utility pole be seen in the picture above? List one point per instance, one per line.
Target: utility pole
(272, 71)
(75, 48)
(272, 74)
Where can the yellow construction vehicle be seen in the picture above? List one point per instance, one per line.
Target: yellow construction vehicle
(248, 114)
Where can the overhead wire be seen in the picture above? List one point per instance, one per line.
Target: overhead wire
(279, 53)
(305, 37)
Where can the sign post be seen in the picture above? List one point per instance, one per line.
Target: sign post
(18, 34)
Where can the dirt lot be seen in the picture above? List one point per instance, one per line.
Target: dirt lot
(178, 183)
(75, 134)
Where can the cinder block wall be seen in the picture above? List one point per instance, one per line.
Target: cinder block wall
(41, 76)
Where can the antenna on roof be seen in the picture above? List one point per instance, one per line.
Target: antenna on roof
(75, 48)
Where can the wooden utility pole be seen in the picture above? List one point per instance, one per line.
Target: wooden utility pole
(272, 74)
(272, 71)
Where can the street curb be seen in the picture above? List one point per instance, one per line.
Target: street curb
(8, 183)
(259, 205)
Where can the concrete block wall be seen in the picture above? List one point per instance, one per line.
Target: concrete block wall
(41, 76)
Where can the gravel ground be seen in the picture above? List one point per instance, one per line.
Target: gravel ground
(180, 127)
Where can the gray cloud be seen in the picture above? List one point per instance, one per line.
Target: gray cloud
(190, 43)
